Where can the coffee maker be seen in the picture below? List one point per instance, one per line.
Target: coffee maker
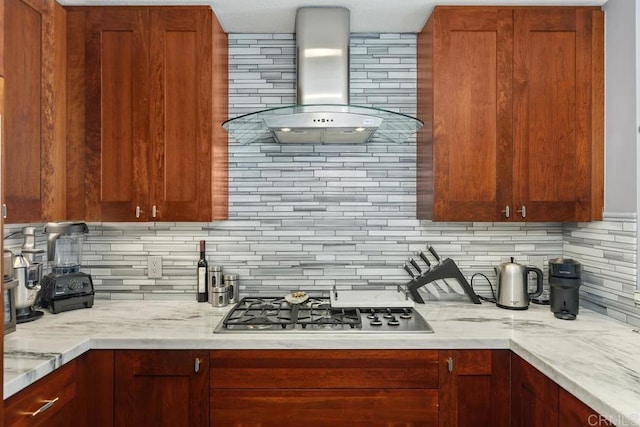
(66, 287)
(564, 281)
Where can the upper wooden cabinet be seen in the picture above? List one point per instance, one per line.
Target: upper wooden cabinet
(144, 112)
(512, 100)
(35, 162)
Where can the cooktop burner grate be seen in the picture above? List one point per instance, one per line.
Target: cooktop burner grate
(316, 314)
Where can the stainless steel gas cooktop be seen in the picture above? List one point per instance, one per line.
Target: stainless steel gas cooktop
(275, 314)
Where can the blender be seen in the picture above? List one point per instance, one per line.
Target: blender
(66, 287)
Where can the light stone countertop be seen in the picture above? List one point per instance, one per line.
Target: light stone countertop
(595, 358)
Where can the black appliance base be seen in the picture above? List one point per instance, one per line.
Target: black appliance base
(30, 317)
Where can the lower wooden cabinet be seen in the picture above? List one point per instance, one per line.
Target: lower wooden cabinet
(161, 388)
(80, 393)
(51, 401)
(408, 388)
(324, 387)
(539, 401)
(475, 388)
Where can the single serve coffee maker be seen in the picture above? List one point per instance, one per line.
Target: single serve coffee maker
(564, 281)
(66, 287)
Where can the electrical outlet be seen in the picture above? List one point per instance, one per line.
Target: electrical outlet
(636, 297)
(154, 267)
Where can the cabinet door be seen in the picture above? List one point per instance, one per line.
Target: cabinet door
(181, 114)
(161, 388)
(475, 388)
(51, 401)
(25, 133)
(324, 388)
(534, 397)
(472, 123)
(573, 412)
(116, 118)
(557, 75)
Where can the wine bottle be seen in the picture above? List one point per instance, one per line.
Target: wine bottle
(203, 275)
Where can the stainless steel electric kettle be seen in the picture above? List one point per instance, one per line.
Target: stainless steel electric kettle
(513, 290)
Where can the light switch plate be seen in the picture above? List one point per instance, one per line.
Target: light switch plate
(154, 267)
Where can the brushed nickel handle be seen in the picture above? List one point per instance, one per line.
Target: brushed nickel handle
(196, 367)
(154, 211)
(506, 211)
(450, 364)
(137, 211)
(4, 210)
(523, 211)
(47, 405)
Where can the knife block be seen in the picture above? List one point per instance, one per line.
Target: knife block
(447, 269)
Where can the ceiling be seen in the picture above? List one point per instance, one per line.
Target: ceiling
(278, 16)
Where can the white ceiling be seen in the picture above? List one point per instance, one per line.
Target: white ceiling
(277, 16)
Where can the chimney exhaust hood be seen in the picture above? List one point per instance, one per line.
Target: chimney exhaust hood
(323, 114)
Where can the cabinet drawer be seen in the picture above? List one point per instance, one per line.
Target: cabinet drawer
(324, 369)
(265, 408)
(44, 402)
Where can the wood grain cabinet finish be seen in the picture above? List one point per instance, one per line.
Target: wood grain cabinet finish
(51, 401)
(539, 401)
(512, 100)
(320, 388)
(161, 388)
(534, 397)
(80, 393)
(34, 167)
(145, 114)
(475, 388)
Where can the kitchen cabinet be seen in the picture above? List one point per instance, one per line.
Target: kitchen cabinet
(474, 388)
(34, 172)
(161, 388)
(320, 388)
(50, 401)
(145, 112)
(512, 100)
(539, 401)
(78, 393)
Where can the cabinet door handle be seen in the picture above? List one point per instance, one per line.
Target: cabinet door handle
(506, 211)
(523, 211)
(450, 364)
(4, 210)
(196, 366)
(48, 404)
(137, 211)
(154, 211)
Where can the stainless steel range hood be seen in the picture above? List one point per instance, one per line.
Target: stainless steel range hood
(323, 114)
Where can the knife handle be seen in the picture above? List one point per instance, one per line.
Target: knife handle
(434, 253)
(415, 265)
(408, 270)
(425, 259)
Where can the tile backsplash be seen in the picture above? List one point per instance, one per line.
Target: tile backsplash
(314, 216)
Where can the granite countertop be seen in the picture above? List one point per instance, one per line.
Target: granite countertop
(594, 357)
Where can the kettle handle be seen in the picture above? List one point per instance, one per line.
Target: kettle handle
(539, 279)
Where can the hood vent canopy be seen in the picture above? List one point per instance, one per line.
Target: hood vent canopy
(323, 114)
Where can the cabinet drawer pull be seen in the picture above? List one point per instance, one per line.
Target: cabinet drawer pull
(137, 211)
(506, 211)
(523, 211)
(47, 405)
(450, 364)
(4, 210)
(154, 211)
(197, 365)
